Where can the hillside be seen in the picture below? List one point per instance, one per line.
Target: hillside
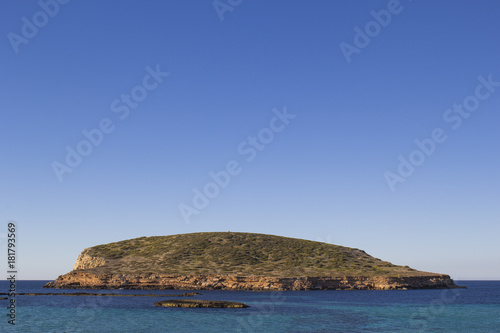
(236, 254)
(147, 260)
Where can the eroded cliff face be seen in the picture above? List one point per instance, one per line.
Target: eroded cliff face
(85, 261)
(85, 280)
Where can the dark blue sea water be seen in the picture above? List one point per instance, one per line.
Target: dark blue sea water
(476, 309)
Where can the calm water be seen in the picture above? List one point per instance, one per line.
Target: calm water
(476, 309)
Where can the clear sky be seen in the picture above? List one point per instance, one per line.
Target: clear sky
(116, 116)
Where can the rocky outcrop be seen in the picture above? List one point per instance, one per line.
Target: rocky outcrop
(195, 303)
(85, 261)
(85, 280)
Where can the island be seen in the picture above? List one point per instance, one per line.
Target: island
(238, 261)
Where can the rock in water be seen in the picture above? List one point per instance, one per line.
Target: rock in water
(194, 303)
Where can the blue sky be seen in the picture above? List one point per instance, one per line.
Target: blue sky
(320, 174)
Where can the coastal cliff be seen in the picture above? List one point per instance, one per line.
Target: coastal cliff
(81, 280)
(238, 261)
(86, 261)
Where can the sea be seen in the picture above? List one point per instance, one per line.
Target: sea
(475, 309)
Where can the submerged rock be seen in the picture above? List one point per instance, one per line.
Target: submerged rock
(107, 294)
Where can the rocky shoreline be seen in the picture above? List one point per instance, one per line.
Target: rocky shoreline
(87, 280)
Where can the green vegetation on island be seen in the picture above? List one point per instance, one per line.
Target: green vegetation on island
(236, 253)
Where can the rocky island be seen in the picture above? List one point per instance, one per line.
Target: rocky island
(238, 261)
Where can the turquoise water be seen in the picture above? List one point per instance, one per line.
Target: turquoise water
(476, 309)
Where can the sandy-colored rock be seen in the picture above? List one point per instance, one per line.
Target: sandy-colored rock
(84, 280)
(85, 261)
